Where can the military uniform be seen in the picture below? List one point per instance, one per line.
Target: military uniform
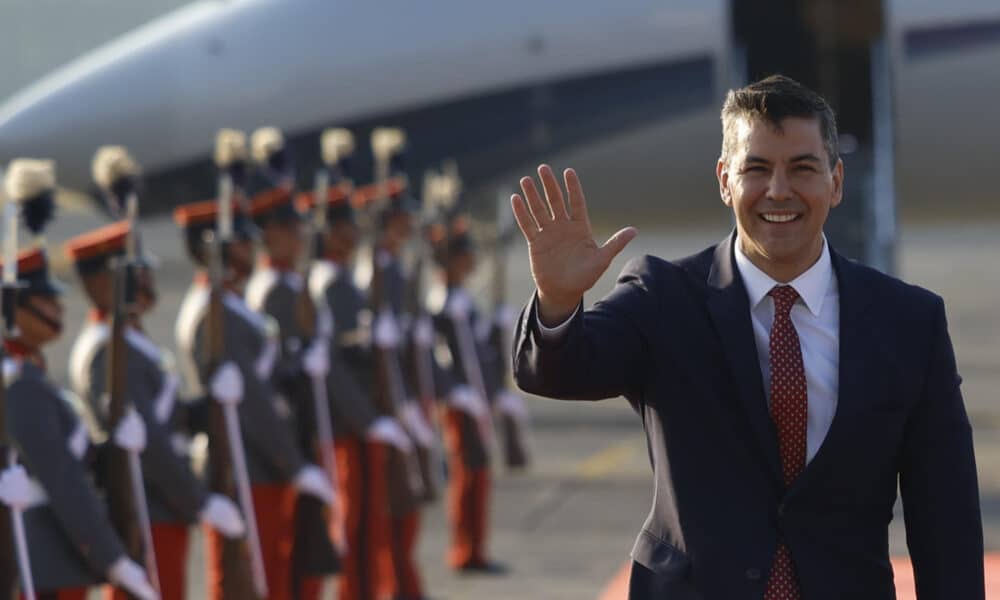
(275, 290)
(72, 543)
(468, 424)
(361, 457)
(272, 455)
(404, 502)
(175, 495)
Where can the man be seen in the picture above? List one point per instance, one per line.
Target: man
(177, 498)
(277, 469)
(71, 541)
(277, 290)
(363, 438)
(467, 423)
(784, 389)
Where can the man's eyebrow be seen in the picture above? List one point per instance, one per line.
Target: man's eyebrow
(756, 159)
(807, 157)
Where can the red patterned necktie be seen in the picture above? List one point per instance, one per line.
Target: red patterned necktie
(789, 411)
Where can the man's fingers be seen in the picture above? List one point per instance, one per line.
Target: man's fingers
(553, 193)
(523, 217)
(535, 203)
(617, 243)
(577, 202)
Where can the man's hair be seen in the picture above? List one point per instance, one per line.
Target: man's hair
(772, 100)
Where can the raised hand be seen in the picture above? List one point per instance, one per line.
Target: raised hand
(565, 260)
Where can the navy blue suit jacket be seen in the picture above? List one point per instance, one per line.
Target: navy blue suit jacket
(675, 339)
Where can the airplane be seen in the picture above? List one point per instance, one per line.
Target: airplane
(635, 85)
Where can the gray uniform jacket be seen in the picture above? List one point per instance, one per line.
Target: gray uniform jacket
(351, 369)
(457, 372)
(251, 344)
(174, 493)
(71, 540)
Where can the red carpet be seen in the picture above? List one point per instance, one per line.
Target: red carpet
(617, 588)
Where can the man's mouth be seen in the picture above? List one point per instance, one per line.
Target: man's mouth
(782, 217)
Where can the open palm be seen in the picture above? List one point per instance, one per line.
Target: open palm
(565, 260)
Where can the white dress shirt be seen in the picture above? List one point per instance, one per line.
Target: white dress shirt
(816, 317)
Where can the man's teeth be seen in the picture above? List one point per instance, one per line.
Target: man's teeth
(776, 218)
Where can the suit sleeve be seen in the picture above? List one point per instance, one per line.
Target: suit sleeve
(347, 397)
(162, 468)
(938, 482)
(34, 417)
(602, 353)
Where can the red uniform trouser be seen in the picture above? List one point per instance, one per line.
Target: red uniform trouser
(170, 544)
(468, 495)
(404, 574)
(361, 473)
(274, 505)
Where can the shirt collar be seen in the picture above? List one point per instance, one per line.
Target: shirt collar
(812, 285)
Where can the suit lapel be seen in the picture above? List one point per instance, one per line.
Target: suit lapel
(729, 308)
(858, 355)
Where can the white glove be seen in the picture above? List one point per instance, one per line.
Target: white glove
(316, 359)
(129, 576)
(130, 434)
(504, 317)
(465, 399)
(18, 491)
(423, 332)
(512, 405)
(388, 431)
(416, 424)
(387, 334)
(313, 481)
(227, 384)
(459, 305)
(221, 514)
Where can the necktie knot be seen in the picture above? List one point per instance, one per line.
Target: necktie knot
(784, 297)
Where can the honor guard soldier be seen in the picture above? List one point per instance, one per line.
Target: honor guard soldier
(277, 291)
(276, 467)
(177, 498)
(363, 437)
(71, 539)
(468, 427)
(394, 213)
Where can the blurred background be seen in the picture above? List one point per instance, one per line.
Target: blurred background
(628, 93)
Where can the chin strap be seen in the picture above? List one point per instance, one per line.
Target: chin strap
(55, 325)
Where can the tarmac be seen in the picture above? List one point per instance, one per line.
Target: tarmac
(565, 527)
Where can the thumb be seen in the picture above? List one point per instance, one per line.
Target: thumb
(616, 243)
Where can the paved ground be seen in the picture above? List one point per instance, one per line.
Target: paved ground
(565, 527)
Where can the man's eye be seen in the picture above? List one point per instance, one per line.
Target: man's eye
(805, 168)
(754, 169)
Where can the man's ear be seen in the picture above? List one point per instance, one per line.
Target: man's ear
(838, 183)
(722, 174)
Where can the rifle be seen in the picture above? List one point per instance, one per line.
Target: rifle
(313, 553)
(512, 430)
(391, 392)
(243, 578)
(13, 542)
(126, 489)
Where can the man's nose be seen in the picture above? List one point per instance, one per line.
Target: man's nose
(778, 187)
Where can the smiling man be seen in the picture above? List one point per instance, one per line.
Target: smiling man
(786, 391)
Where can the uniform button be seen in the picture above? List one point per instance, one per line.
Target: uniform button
(781, 509)
(753, 574)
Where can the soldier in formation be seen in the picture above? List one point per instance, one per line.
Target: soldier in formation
(333, 389)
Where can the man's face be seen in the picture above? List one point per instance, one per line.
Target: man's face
(145, 293)
(40, 324)
(397, 230)
(341, 240)
(781, 189)
(283, 241)
(240, 255)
